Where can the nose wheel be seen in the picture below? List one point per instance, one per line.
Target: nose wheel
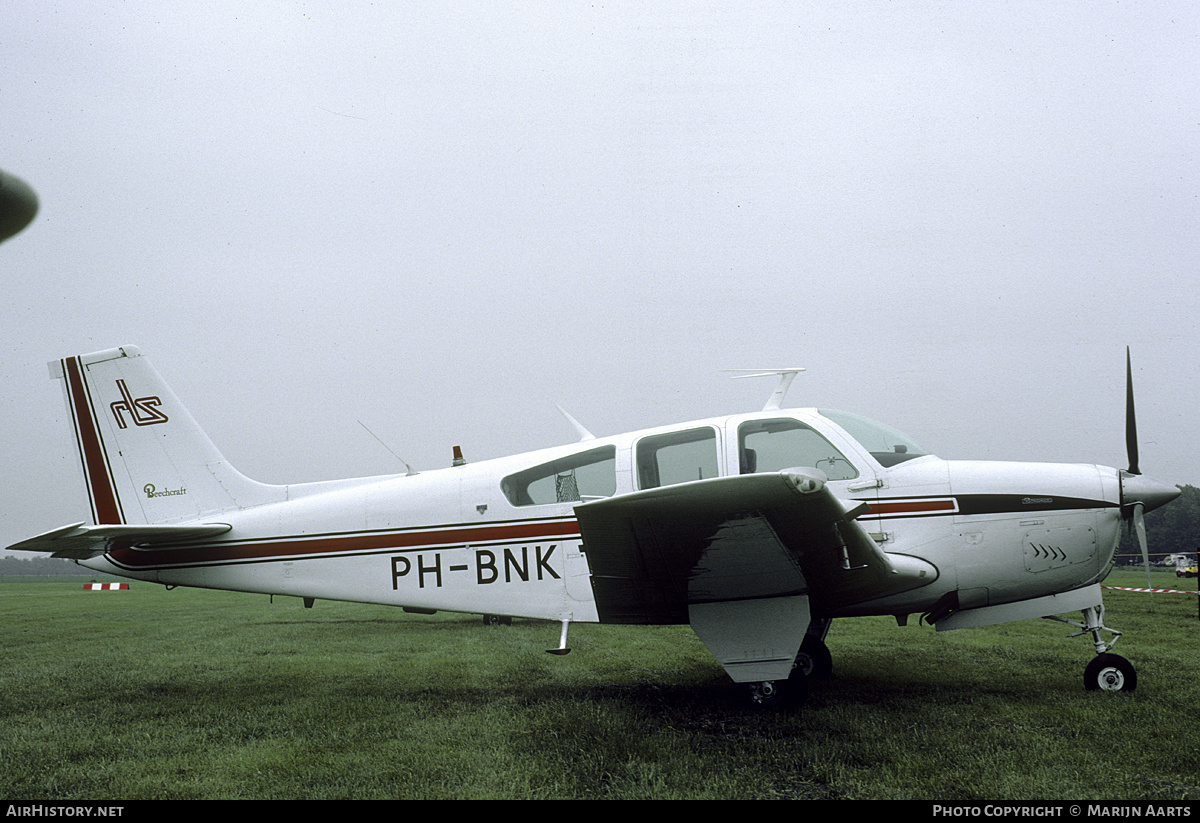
(1109, 673)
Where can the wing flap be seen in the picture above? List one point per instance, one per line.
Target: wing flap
(81, 542)
(654, 553)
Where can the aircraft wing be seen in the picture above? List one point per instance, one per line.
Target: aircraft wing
(81, 542)
(655, 553)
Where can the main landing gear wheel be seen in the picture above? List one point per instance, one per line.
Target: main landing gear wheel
(1110, 673)
(813, 660)
(772, 693)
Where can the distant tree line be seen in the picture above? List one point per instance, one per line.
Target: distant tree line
(40, 566)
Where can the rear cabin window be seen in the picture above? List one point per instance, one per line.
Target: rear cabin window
(678, 457)
(579, 477)
(774, 445)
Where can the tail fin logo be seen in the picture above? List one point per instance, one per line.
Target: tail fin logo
(143, 410)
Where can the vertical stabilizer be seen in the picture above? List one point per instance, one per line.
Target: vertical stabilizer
(144, 458)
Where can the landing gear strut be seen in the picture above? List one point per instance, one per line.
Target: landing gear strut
(1107, 672)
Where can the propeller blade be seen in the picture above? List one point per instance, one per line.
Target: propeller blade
(1139, 525)
(18, 205)
(1131, 447)
(1139, 493)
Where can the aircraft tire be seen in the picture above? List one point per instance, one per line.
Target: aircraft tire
(813, 660)
(1110, 673)
(766, 694)
(774, 693)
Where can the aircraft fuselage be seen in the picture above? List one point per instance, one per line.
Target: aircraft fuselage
(492, 540)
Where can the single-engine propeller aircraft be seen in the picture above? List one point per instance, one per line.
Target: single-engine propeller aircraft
(756, 529)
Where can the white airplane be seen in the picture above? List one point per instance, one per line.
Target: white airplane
(756, 529)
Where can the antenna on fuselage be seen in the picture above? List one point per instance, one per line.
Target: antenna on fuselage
(583, 433)
(786, 376)
(411, 471)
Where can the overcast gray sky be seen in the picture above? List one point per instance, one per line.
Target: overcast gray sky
(442, 218)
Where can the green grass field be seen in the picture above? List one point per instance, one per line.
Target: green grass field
(150, 693)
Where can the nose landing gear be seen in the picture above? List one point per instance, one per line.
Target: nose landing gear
(1107, 672)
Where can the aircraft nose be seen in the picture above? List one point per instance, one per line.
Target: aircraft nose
(1151, 493)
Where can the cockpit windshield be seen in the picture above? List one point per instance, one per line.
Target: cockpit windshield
(887, 445)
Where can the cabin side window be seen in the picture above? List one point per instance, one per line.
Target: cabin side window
(578, 477)
(785, 443)
(677, 457)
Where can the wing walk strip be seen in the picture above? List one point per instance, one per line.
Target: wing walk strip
(312, 546)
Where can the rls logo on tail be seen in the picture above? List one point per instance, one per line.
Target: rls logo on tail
(143, 410)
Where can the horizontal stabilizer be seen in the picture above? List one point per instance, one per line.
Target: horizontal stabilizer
(81, 542)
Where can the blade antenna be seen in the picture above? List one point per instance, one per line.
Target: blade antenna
(786, 376)
(583, 433)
